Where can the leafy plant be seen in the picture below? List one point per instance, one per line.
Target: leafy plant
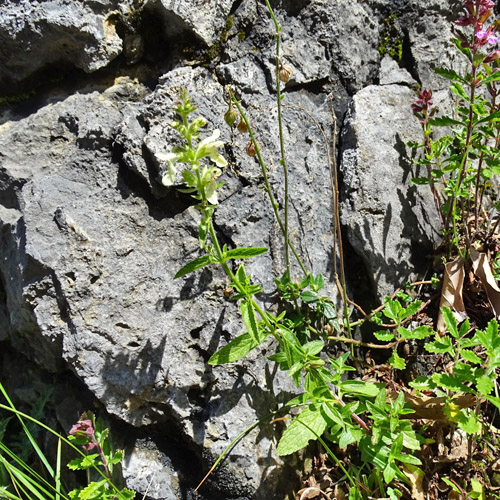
(20, 480)
(379, 424)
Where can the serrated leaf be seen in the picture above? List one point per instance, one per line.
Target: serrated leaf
(493, 117)
(422, 383)
(492, 78)
(82, 463)
(444, 121)
(450, 321)
(449, 74)
(235, 350)
(194, 265)
(126, 494)
(309, 424)
(384, 336)
(440, 346)
(92, 490)
(397, 362)
(468, 423)
(470, 357)
(421, 332)
(244, 253)
(484, 385)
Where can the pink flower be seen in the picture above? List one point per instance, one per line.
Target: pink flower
(84, 429)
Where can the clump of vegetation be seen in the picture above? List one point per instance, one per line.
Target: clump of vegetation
(391, 38)
(385, 436)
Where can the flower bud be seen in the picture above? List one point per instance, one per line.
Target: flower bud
(230, 116)
(284, 73)
(242, 126)
(250, 149)
(492, 57)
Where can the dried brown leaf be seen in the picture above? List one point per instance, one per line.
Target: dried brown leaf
(416, 477)
(311, 493)
(483, 271)
(430, 407)
(451, 295)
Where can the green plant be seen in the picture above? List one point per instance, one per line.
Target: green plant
(21, 480)
(365, 416)
(460, 165)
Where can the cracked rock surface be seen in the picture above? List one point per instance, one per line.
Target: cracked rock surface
(91, 240)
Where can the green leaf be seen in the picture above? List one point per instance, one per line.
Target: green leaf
(422, 383)
(421, 332)
(419, 181)
(493, 117)
(449, 319)
(82, 463)
(309, 424)
(468, 423)
(329, 311)
(347, 437)
(485, 385)
(459, 91)
(449, 74)
(126, 494)
(384, 336)
(397, 362)
(360, 388)
(314, 347)
(440, 346)
(236, 349)
(194, 265)
(244, 253)
(390, 472)
(248, 314)
(451, 382)
(470, 357)
(444, 121)
(93, 490)
(492, 78)
(393, 309)
(309, 296)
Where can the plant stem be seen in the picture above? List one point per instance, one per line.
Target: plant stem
(239, 286)
(282, 139)
(267, 184)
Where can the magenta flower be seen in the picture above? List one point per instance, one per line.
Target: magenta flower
(84, 429)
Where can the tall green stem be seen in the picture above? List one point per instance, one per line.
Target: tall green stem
(280, 126)
(267, 184)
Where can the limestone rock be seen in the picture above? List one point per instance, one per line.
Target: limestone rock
(36, 34)
(390, 222)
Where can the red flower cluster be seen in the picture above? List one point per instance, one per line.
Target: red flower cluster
(477, 11)
(423, 102)
(84, 429)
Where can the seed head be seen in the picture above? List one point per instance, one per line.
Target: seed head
(284, 72)
(242, 126)
(250, 149)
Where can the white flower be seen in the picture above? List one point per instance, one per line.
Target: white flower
(170, 159)
(208, 147)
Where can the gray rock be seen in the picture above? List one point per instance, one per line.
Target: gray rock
(89, 273)
(205, 18)
(391, 223)
(36, 34)
(390, 73)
